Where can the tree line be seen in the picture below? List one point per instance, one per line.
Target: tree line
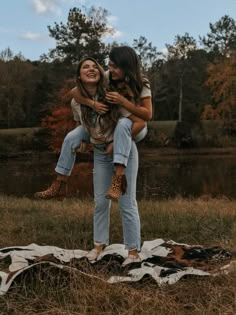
(190, 80)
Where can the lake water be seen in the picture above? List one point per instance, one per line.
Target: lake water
(161, 176)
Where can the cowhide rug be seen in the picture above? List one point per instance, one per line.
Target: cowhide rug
(164, 261)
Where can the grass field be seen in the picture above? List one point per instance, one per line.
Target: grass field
(68, 224)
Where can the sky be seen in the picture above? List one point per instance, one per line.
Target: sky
(23, 23)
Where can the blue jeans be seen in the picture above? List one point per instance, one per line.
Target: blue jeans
(103, 172)
(67, 157)
(73, 139)
(125, 152)
(123, 140)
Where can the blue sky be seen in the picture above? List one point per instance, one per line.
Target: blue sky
(23, 23)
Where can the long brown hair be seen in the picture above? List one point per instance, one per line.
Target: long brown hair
(106, 121)
(126, 58)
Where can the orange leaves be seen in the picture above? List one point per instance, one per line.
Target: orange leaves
(222, 84)
(210, 113)
(222, 78)
(60, 122)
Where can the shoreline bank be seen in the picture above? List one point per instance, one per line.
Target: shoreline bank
(28, 141)
(144, 152)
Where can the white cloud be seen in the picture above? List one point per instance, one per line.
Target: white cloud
(30, 36)
(46, 6)
(164, 52)
(53, 6)
(112, 19)
(114, 33)
(117, 34)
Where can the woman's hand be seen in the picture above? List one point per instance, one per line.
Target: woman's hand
(100, 108)
(115, 98)
(143, 110)
(84, 147)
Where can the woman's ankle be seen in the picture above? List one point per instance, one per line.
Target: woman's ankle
(133, 252)
(99, 247)
(62, 178)
(119, 169)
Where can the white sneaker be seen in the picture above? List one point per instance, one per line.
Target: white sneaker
(131, 259)
(93, 254)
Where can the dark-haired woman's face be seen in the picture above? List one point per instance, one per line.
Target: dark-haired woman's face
(116, 72)
(89, 72)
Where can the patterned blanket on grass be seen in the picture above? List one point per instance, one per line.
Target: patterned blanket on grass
(164, 261)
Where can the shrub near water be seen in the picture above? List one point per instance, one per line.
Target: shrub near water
(68, 224)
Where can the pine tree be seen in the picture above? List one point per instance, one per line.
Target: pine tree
(80, 36)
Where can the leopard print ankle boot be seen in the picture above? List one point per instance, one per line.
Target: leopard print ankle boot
(57, 190)
(118, 187)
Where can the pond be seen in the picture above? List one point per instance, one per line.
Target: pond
(160, 176)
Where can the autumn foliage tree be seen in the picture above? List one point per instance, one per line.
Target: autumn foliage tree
(222, 83)
(60, 121)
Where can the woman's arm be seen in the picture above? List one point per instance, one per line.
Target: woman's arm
(143, 110)
(138, 124)
(100, 108)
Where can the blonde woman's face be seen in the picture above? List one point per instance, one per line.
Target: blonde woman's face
(89, 72)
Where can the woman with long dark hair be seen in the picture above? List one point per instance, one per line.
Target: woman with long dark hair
(125, 71)
(129, 91)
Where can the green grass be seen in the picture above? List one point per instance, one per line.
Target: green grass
(68, 224)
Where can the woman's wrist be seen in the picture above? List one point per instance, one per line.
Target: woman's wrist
(93, 105)
(122, 102)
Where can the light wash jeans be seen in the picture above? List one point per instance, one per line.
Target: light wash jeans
(73, 139)
(103, 172)
(125, 152)
(67, 157)
(123, 140)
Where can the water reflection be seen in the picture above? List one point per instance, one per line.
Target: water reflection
(187, 176)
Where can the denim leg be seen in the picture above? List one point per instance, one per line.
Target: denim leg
(67, 157)
(128, 204)
(102, 177)
(122, 141)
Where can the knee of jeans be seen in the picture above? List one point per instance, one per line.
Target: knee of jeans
(123, 125)
(68, 141)
(72, 140)
(124, 122)
(69, 137)
(128, 204)
(101, 203)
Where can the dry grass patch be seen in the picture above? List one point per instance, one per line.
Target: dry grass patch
(68, 224)
(198, 221)
(55, 294)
